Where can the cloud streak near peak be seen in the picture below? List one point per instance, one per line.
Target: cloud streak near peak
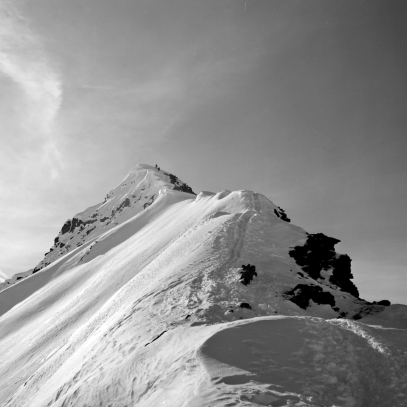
(37, 99)
(30, 100)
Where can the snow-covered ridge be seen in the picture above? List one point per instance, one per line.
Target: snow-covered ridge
(312, 276)
(206, 300)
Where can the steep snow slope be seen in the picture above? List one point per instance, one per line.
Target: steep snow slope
(158, 310)
(135, 193)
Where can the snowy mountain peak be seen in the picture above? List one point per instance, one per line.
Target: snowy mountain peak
(138, 190)
(312, 275)
(210, 300)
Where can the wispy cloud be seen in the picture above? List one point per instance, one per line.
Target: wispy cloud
(30, 99)
(24, 62)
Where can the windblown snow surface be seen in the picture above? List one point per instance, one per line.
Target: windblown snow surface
(151, 311)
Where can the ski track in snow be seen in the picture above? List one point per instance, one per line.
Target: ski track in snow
(240, 230)
(147, 314)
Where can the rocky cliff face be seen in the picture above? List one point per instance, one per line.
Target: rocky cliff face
(318, 254)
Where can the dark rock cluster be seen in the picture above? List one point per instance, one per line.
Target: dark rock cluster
(370, 308)
(178, 185)
(301, 295)
(71, 224)
(247, 274)
(123, 205)
(149, 202)
(318, 254)
(282, 215)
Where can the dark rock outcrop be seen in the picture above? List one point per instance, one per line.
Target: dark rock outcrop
(386, 303)
(342, 275)
(301, 295)
(319, 254)
(282, 215)
(247, 274)
(245, 305)
(37, 269)
(71, 224)
(149, 202)
(90, 230)
(123, 205)
(178, 185)
(66, 227)
(368, 309)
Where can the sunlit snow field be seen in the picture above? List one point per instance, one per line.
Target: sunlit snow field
(146, 312)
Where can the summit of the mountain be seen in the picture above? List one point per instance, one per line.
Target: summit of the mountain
(138, 190)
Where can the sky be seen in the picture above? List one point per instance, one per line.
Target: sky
(303, 101)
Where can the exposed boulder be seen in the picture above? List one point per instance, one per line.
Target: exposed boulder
(301, 295)
(386, 303)
(66, 227)
(247, 274)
